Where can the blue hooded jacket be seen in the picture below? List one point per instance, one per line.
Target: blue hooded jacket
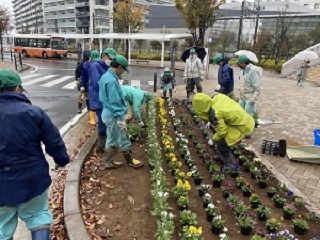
(225, 77)
(112, 97)
(24, 171)
(85, 75)
(97, 69)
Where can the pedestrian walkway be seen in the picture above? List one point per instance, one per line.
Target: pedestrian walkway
(297, 108)
(67, 82)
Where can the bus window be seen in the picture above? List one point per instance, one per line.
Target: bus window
(32, 42)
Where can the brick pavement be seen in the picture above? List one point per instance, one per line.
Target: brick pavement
(297, 108)
(11, 66)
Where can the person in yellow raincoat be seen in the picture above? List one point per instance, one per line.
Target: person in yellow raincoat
(229, 120)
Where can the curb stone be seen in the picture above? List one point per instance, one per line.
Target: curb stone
(75, 227)
(309, 205)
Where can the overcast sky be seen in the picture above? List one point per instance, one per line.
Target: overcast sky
(6, 3)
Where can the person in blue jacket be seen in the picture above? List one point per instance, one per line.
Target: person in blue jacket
(113, 115)
(225, 75)
(97, 69)
(24, 171)
(136, 97)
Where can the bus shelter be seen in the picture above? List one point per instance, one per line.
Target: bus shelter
(130, 36)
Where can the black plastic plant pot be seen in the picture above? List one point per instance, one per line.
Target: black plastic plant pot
(201, 193)
(271, 194)
(287, 216)
(246, 193)
(183, 208)
(247, 169)
(216, 230)
(262, 185)
(298, 230)
(225, 195)
(205, 205)
(271, 230)
(198, 181)
(255, 205)
(241, 162)
(182, 155)
(239, 185)
(209, 217)
(253, 176)
(216, 183)
(278, 204)
(246, 231)
(151, 167)
(234, 174)
(262, 217)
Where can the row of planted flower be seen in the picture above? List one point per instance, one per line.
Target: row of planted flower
(251, 164)
(159, 191)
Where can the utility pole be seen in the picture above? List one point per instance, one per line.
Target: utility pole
(93, 24)
(240, 25)
(257, 23)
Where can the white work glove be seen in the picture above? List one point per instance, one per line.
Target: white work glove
(217, 88)
(210, 142)
(202, 78)
(82, 89)
(208, 125)
(141, 123)
(253, 100)
(122, 125)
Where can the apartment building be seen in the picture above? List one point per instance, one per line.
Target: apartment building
(312, 4)
(28, 16)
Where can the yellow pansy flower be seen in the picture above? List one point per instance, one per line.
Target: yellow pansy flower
(189, 174)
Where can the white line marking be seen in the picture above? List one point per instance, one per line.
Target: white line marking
(38, 80)
(71, 85)
(135, 83)
(29, 76)
(71, 69)
(57, 81)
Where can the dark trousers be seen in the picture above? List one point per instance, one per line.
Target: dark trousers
(102, 128)
(224, 151)
(191, 82)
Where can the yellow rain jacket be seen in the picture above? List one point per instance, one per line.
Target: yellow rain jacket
(233, 121)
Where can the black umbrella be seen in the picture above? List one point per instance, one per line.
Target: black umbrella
(201, 53)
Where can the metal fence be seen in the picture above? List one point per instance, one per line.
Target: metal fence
(12, 57)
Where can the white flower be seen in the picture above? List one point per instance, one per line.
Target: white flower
(207, 196)
(211, 206)
(166, 194)
(164, 213)
(171, 215)
(257, 160)
(160, 194)
(158, 182)
(225, 229)
(222, 236)
(187, 153)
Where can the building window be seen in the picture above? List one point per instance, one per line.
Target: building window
(317, 6)
(102, 2)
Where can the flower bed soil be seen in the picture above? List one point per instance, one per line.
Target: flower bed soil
(117, 203)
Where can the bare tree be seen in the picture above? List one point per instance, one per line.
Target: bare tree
(5, 24)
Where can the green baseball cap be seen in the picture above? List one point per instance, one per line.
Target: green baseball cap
(167, 71)
(217, 58)
(122, 61)
(192, 50)
(242, 59)
(9, 78)
(95, 55)
(111, 52)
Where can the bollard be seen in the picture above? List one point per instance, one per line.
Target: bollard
(11, 56)
(20, 60)
(15, 62)
(155, 82)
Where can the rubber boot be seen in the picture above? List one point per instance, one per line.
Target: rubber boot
(41, 233)
(134, 163)
(79, 107)
(102, 138)
(92, 118)
(109, 161)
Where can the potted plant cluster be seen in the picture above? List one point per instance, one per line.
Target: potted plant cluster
(203, 189)
(211, 212)
(246, 223)
(246, 190)
(255, 201)
(273, 225)
(288, 211)
(217, 179)
(183, 203)
(235, 171)
(278, 201)
(300, 226)
(206, 200)
(271, 192)
(263, 213)
(217, 225)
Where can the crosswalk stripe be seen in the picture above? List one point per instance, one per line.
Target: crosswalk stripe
(29, 76)
(57, 81)
(41, 79)
(71, 85)
(150, 83)
(135, 83)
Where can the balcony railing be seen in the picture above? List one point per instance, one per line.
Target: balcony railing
(83, 24)
(82, 14)
(59, 7)
(82, 4)
(58, 16)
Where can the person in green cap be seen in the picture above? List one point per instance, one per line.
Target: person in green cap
(97, 69)
(250, 80)
(193, 73)
(113, 115)
(167, 82)
(225, 75)
(136, 98)
(24, 170)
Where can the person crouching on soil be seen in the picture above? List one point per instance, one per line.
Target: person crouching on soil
(136, 98)
(167, 82)
(113, 114)
(229, 120)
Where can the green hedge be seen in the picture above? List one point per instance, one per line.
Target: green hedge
(269, 64)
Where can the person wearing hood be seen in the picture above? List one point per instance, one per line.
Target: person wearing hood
(24, 170)
(225, 75)
(113, 115)
(97, 69)
(193, 73)
(167, 82)
(229, 120)
(302, 75)
(136, 97)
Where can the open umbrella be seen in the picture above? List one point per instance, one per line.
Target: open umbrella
(250, 55)
(306, 55)
(201, 53)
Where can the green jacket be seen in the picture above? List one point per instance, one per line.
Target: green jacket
(233, 122)
(135, 97)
